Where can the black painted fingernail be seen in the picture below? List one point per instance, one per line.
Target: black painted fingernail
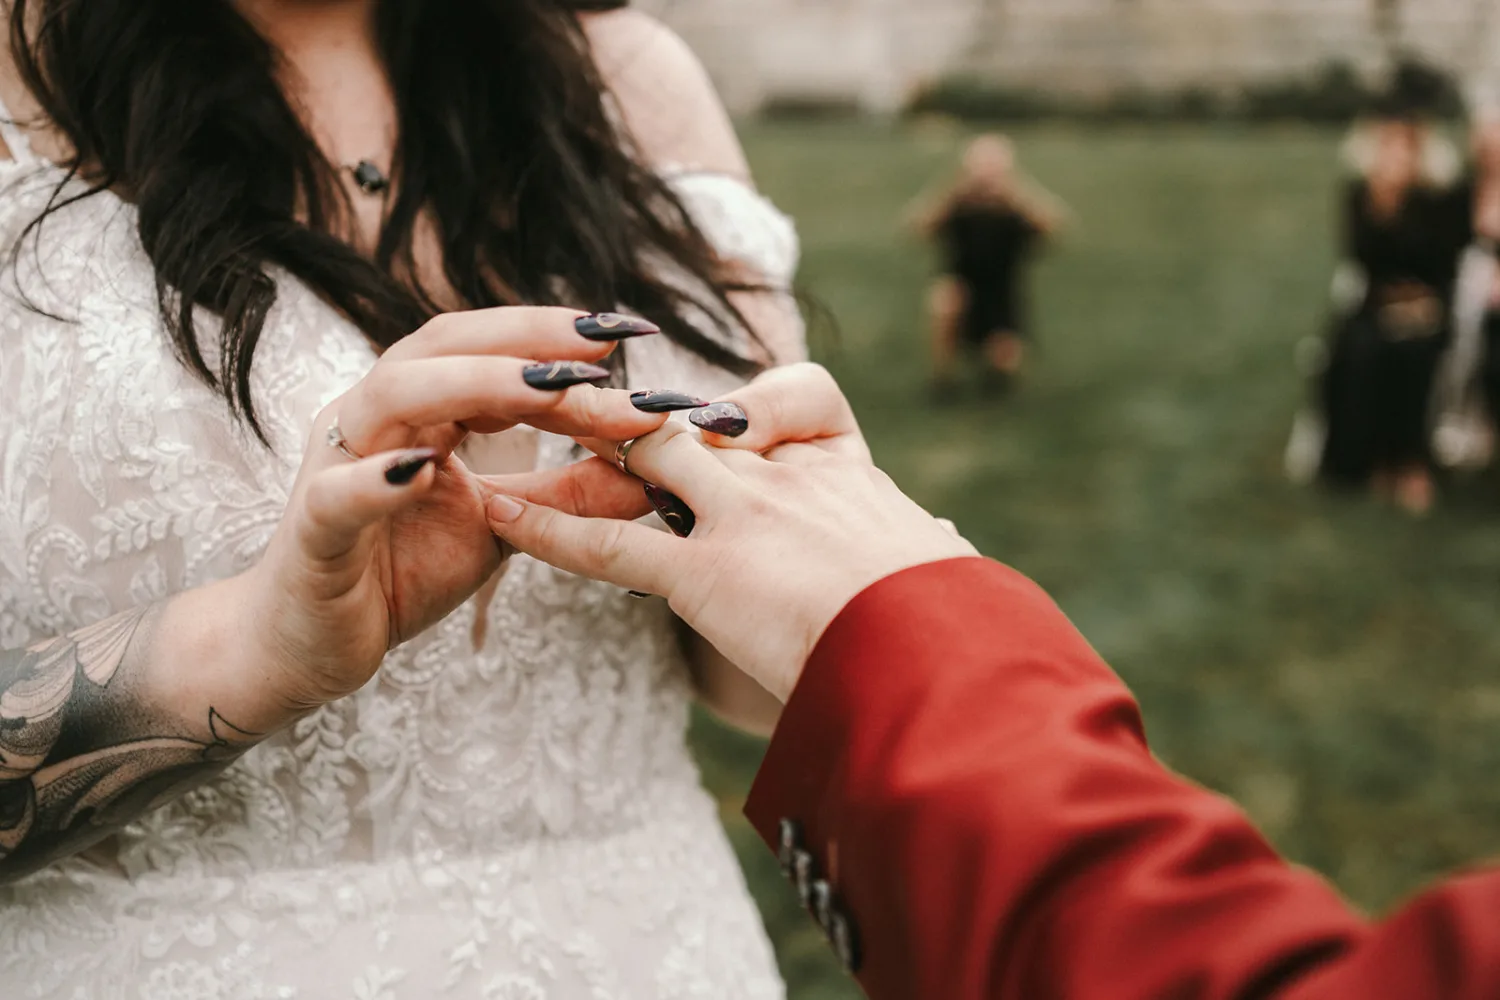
(677, 515)
(664, 401)
(405, 468)
(563, 374)
(613, 326)
(726, 419)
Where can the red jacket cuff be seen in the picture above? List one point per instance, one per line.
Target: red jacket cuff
(867, 663)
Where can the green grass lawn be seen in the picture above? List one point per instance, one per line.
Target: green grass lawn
(1327, 662)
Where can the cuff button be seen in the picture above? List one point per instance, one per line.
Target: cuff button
(789, 838)
(822, 905)
(845, 941)
(804, 872)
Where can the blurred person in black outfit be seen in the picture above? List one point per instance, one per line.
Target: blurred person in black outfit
(1484, 191)
(1405, 233)
(987, 223)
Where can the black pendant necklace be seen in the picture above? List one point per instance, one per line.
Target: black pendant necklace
(370, 178)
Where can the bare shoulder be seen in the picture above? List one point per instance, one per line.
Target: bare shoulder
(667, 99)
(11, 90)
(22, 107)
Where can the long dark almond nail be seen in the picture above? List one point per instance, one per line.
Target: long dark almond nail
(404, 469)
(664, 401)
(677, 515)
(726, 419)
(613, 326)
(563, 374)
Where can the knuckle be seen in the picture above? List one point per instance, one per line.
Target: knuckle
(432, 334)
(544, 531)
(375, 388)
(659, 440)
(574, 495)
(677, 442)
(757, 505)
(821, 382)
(815, 373)
(781, 477)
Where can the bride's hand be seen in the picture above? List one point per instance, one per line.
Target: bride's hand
(372, 551)
(781, 541)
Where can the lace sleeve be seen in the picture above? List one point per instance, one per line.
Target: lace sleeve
(740, 222)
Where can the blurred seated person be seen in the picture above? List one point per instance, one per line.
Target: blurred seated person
(1405, 232)
(987, 223)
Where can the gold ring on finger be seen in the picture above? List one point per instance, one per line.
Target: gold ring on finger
(622, 455)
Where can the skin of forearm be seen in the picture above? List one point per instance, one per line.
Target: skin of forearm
(727, 691)
(104, 724)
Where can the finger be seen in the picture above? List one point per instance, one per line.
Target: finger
(396, 398)
(342, 501)
(607, 414)
(521, 331)
(676, 460)
(800, 402)
(623, 553)
(741, 463)
(591, 488)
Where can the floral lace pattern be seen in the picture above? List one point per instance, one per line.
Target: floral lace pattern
(514, 821)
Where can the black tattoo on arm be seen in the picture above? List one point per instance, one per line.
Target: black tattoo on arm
(81, 753)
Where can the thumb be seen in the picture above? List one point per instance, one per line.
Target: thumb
(341, 501)
(623, 553)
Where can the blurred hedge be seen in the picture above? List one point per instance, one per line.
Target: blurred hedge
(1334, 95)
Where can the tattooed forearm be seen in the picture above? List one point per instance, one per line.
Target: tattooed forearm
(81, 753)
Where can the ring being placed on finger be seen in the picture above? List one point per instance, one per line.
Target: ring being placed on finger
(337, 440)
(622, 455)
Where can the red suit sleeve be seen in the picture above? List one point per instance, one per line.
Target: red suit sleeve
(970, 787)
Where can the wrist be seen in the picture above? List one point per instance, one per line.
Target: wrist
(219, 661)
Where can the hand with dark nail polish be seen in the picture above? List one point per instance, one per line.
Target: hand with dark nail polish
(550, 375)
(780, 541)
(725, 419)
(677, 515)
(613, 326)
(664, 401)
(405, 469)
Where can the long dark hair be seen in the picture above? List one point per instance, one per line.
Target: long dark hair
(505, 143)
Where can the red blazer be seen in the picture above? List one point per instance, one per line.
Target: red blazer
(972, 812)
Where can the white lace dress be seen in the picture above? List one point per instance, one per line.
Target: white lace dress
(512, 822)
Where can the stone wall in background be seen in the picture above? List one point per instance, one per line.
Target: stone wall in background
(874, 53)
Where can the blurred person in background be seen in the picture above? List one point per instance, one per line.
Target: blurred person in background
(987, 223)
(217, 219)
(1404, 230)
(1485, 194)
(1467, 395)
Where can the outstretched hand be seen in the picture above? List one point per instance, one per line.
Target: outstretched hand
(781, 541)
